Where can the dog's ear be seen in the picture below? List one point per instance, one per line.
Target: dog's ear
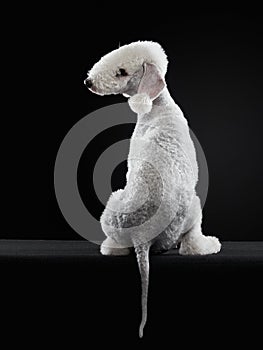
(151, 83)
(150, 87)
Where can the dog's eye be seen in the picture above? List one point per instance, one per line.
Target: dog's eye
(121, 73)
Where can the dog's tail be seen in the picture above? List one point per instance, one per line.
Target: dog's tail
(142, 254)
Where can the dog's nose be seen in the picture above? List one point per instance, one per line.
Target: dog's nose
(88, 83)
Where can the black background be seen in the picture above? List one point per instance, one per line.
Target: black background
(215, 74)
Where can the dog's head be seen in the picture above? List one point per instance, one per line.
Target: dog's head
(139, 67)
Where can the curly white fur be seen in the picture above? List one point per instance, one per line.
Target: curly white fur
(162, 166)
(140, 103)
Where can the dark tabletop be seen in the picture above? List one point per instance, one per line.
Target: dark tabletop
(232, 253)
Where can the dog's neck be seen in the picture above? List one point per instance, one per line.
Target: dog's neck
(163, 105)
(164, 99)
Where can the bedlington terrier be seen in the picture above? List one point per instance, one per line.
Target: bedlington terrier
(158, 208)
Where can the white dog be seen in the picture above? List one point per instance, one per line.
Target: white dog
(158, 208)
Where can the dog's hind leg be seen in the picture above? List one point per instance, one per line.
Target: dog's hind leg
(193, 242)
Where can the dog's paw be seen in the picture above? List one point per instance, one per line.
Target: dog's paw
(114, 251)
(109, 247)
(199, 245)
